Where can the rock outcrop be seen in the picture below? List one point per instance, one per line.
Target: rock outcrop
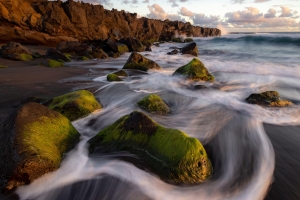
(15, 51)
(50, 22)
(190, 48)
(170, 153)
(33, 142)
(195, 70)
(268, 98)
(139, 62)
(154, 104)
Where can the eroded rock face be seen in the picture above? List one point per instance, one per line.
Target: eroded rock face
(190, 48)
(139, 62)
(268, 98)
(99, 53)
(50, 22)
(194, 70)
(170, 153)
(32, 143)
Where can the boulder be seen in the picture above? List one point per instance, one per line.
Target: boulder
(56, 55)
(170, 153)
(15, 51)
(195, 70)
(52, 63)
(133, 44)
(117, 47)
(154, 104)
(74, 105)
(113, 55)
(113, 77)
(190, 48)
(33, 143)
(137, 61)
(148, 48)
(177, 40)
(173, 52)
(99, 53)
(121, 73)
(268, 98)
(74, 47)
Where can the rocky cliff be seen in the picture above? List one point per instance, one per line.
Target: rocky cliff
(50, 22)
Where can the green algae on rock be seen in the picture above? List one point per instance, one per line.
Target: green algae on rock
(268, 98)
(170, 153)
(137, 61)
(121, 73)
(154, 104)
(75, 105)
(186, 40)
(113, 77)
(33, 143)
(53, 63)
(3, 66)
(195, 70)
(20, 57)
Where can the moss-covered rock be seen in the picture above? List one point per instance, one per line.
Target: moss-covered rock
(56, 55)
(53, 63)
(117, 47)
(154, 104)
(3, 66)
(75, 105)
(99, 53)
(268, 98)
(121, 73)
(186, 40)
(32, 144)
(139, 62)
(170, 153)
(113, 77)
(195, 70)
(20, 57)
(83, 58)
(133, 44)
(177, 40)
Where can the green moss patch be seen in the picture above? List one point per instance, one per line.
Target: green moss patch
(154, 104)
(3, 66)
(113, 77)
(53, 63)
(195, 70)
(176, 40)
(69, 56)
(42, 137)
(121, 73)
(170, 153)
(268, 98)
(84, 58)
(75, 105)
(139, 62)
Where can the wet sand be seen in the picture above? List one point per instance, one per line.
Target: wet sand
(27, 78)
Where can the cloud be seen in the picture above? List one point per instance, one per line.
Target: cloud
(102, 2)
(238, 1)
(261, 1)
(146, 1)
(130, 1)
(157, 12)
(271, 13)
(251, 18)
(202, 20)
(174, 4)
(185, 12)
(286, 12)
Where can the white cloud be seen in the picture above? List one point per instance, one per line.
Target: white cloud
(271, 13)
(185, 12)
(157, 12)
(202, 20)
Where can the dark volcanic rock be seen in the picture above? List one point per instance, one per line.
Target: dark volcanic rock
(73, 47)
(117, 47)
(133, 44)
(32, 143)
(137, 61)
(15, 51)
(56, 55)
(268, 98)
(190, 48)
(99, 53)
(175, 51)
(50, 22)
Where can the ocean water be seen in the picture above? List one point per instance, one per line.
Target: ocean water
(250, 159)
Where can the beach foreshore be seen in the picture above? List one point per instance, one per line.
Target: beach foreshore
(23, 79)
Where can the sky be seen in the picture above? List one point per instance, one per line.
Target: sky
(228, 15)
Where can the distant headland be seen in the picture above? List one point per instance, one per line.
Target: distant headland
(48, 23)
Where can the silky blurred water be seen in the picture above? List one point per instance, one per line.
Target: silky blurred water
(231, 130)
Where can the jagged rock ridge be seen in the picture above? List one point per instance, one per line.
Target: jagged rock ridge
(50, 22)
